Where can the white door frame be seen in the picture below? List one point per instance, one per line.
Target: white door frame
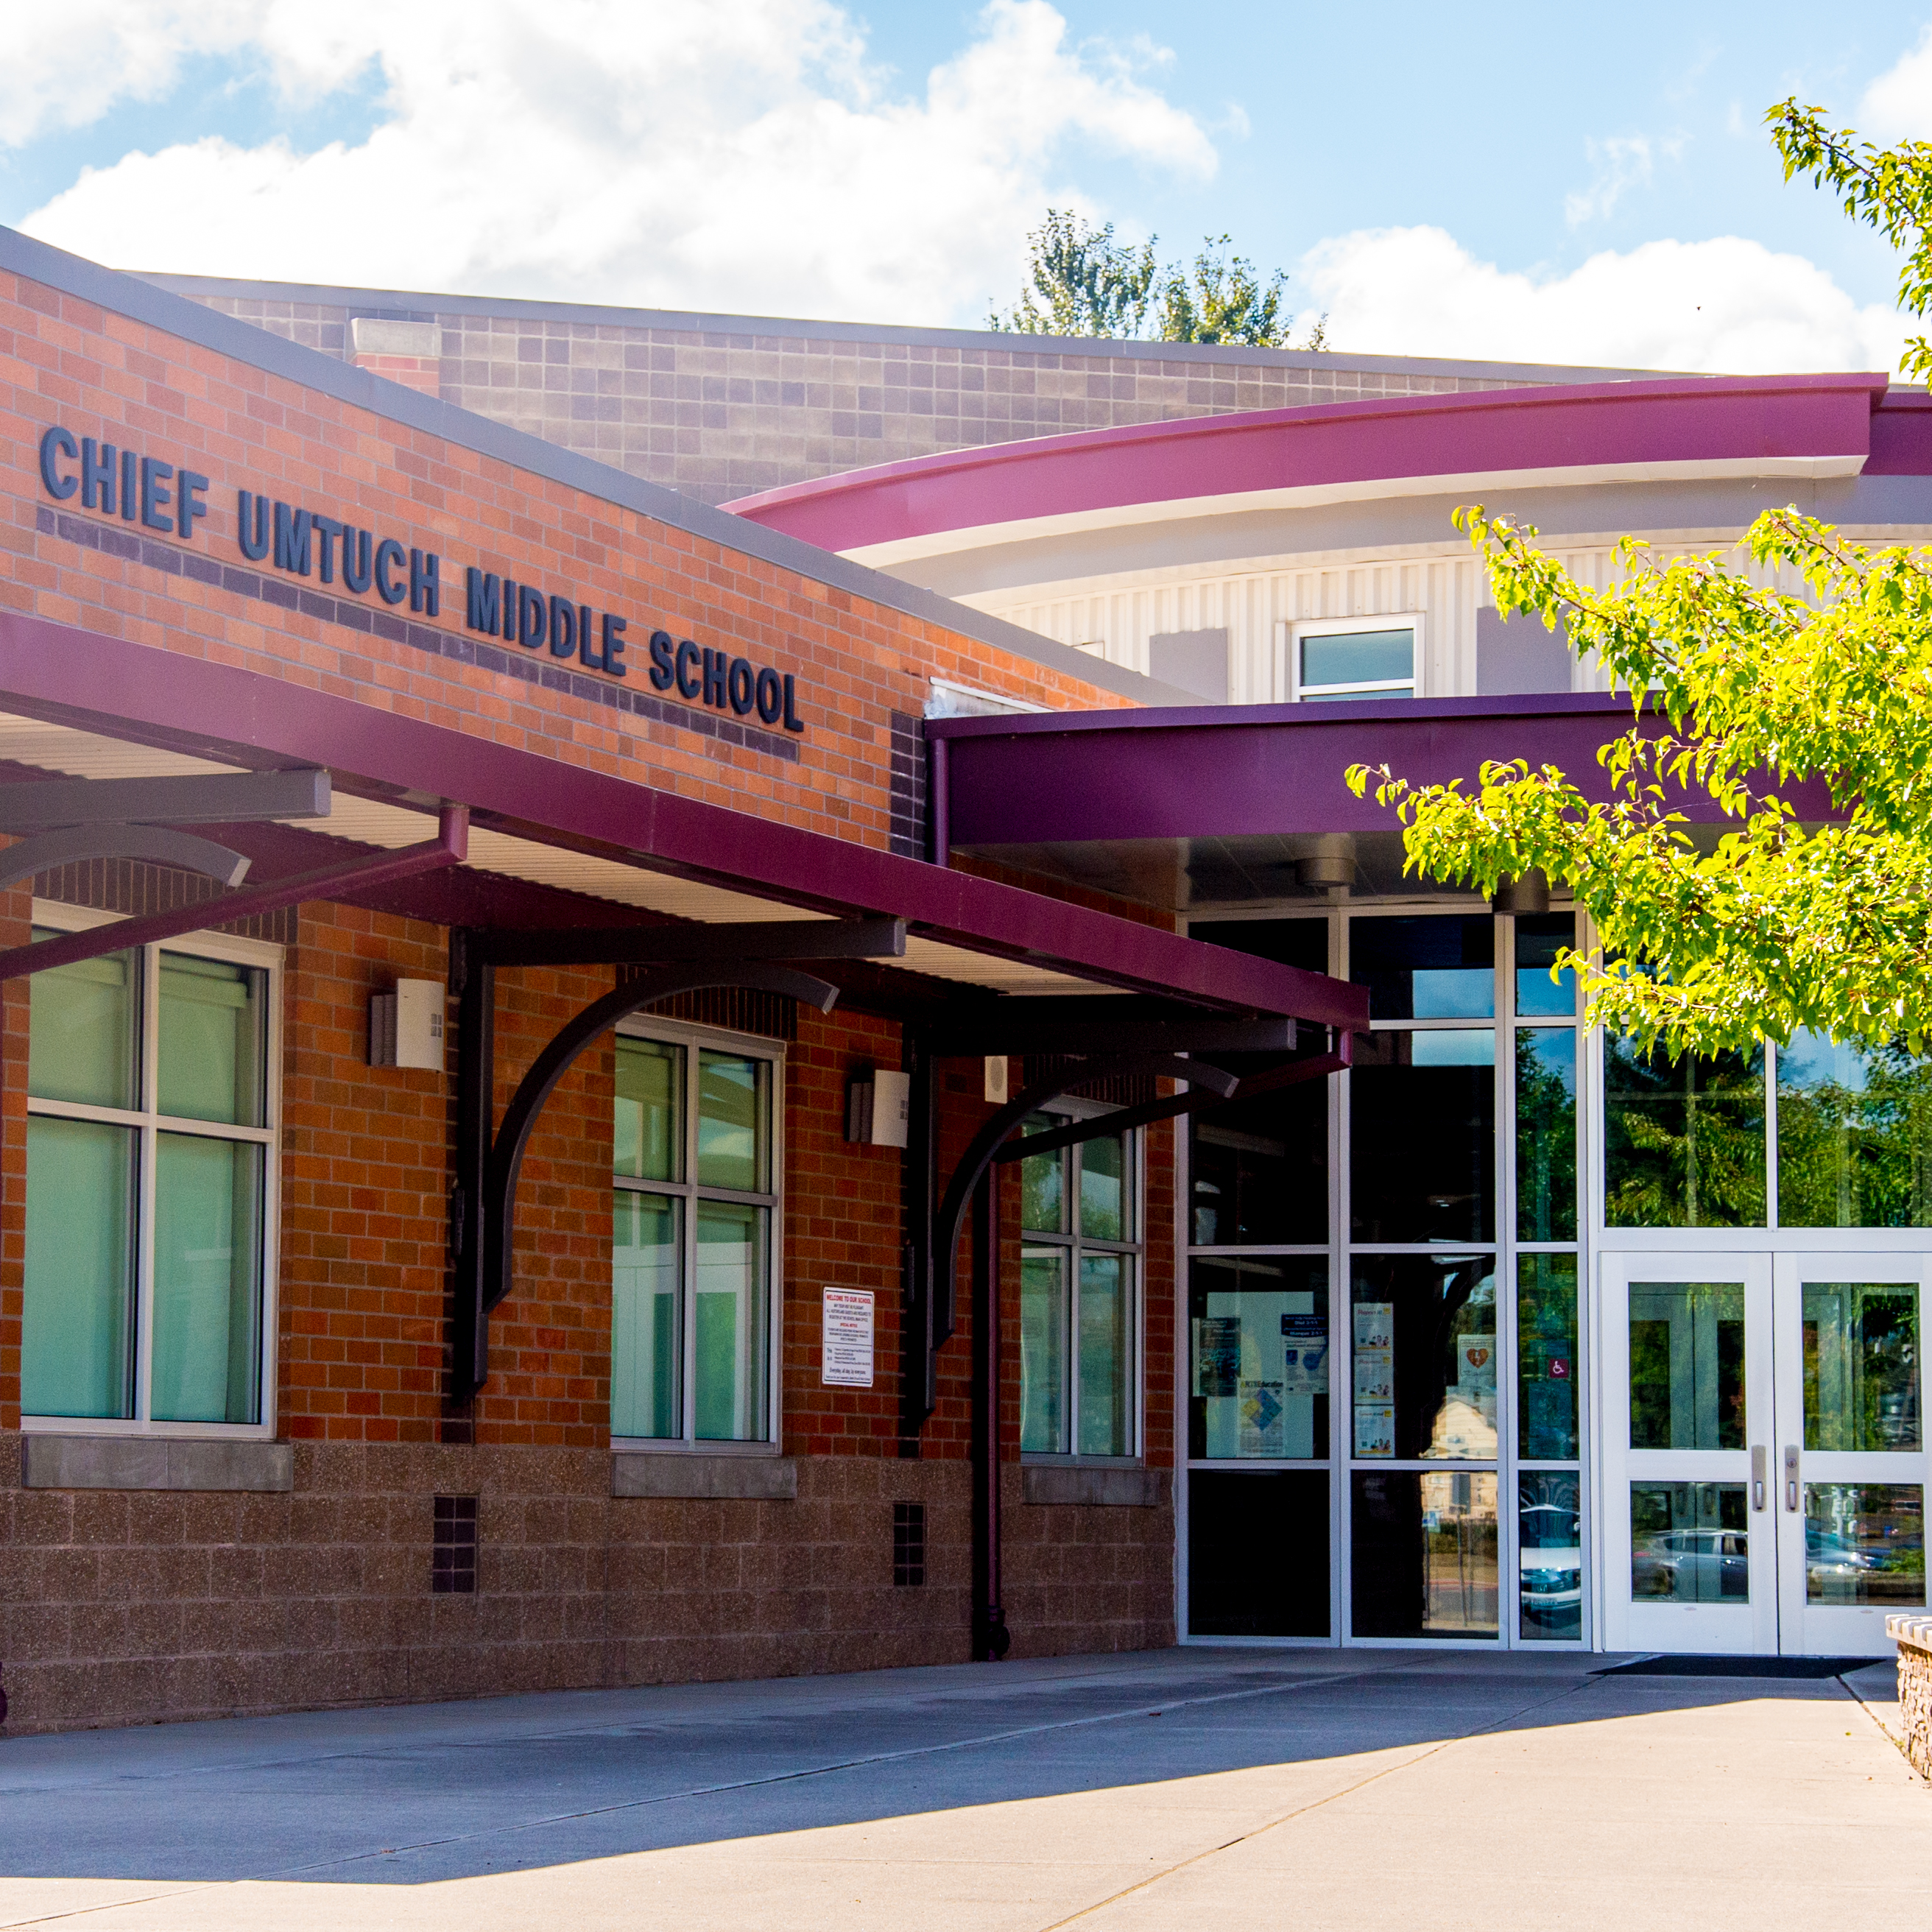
(1751, 1627)
(1830, 1629)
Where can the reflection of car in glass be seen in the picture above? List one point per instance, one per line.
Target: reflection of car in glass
(1842, 1555)
(1830, 1555)
(1550, 1559)
(1692, 1566)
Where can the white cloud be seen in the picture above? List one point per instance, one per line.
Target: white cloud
(1727, 305)
(739, 155)
(1898, 106)
(1622, 161)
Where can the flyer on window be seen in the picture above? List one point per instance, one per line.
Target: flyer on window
(1261, 1410)
(1217, 1355)
(1374, 1429)
(1304, 1354)
(1375, 1378)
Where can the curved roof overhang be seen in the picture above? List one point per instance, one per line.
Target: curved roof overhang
(1676, 430)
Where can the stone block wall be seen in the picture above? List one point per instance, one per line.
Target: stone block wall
(1913, 1636)
(119, 1608)
(721, 407)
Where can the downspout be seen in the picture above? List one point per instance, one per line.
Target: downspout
(991, 1638)
(938, 804)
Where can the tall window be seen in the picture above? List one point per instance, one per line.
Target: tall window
(694, 1244)
(1079, 1288)
(150, 1158)
(1330, 661)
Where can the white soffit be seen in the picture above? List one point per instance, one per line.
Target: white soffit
(1124, 516)
(86, 754)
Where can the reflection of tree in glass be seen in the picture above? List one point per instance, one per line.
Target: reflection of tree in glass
(1861, 1365)
(1545, 1143)
(1854, 1146)
(1684, 1142)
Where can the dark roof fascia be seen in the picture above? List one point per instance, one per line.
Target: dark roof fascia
(696, 323)
(142, 301)
(1208, 717)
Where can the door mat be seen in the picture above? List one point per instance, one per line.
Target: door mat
(1740, 1666)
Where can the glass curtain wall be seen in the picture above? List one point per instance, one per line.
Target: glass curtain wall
(1385, 1317)
(1813, 1135)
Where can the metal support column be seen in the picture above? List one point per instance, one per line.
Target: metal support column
(473, 981)
(991, 1638)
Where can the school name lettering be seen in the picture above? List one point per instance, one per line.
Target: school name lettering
(301, 542)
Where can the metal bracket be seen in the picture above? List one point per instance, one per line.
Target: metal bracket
(159, 844)
(484, 1201)
(363, 874)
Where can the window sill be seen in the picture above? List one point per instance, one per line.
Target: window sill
(703, 1476)
(49, 1461)
(1094, 1485)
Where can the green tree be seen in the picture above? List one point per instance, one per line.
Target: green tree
(1081, 281)
(1819, 666)
(1226, 301)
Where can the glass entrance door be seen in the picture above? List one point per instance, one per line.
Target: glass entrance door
(1690, 1548)
(1764, 1461)
(1851, 1449)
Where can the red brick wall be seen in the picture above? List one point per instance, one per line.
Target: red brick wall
(102, 375)
(365, 1162)
(422, 374)
(844, 1226)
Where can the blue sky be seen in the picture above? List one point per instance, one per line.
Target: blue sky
(1481, 121)
(1520, 181)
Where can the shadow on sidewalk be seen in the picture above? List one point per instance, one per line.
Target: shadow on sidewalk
(430, 1793)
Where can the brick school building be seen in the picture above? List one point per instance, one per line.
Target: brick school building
(518, 1168)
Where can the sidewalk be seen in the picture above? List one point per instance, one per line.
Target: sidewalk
(1357, 1789)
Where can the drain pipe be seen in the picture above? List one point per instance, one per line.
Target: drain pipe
(991, 1640)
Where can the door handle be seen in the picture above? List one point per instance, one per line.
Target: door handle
(1791, 1475)
(1760, 1460)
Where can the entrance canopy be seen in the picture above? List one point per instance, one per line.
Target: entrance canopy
(552, 845)
(1225, 805)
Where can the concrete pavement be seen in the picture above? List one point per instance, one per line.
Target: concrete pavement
(1358, 1788)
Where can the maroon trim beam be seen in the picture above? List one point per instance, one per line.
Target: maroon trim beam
(66, 675)
(1554, 426)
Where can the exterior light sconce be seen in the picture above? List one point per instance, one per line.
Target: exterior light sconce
(878, 1108)
(1327, 862)
(1527, 893)
(405, 1025)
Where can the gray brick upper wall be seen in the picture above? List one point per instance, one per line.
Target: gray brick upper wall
(717, 413)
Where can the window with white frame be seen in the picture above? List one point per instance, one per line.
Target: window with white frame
(693, 1263)
(152, 1137)
(1080, 1265)
(1354, 658)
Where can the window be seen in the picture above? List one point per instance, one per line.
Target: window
(1351, 658)
(150, 1171)
(1079, 1291)
(695, 1239)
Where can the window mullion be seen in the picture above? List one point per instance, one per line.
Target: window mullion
(1072, 1356)
(147, 1093)
(687, 1287)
